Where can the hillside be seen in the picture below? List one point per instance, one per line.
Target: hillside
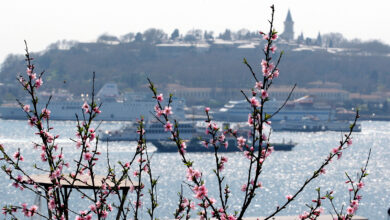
(215, 64)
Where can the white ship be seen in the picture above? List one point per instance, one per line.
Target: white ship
(296, 115)
(115, 107)
(154, 132)
(237, 111)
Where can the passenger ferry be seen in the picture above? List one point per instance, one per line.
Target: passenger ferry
(115, 107)
(297, 115)
(156, 134)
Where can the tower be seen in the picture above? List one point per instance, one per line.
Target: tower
(288, 33)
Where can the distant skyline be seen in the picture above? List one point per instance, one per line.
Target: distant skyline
(42, 22)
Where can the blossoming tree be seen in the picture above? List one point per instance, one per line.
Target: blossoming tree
(134, 173)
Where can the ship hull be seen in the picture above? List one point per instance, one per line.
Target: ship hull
(196, 146)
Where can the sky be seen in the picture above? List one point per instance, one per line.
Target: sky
(42, 22)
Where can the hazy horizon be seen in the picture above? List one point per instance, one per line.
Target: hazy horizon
(50, 21)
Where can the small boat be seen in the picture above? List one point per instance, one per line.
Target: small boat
(156, 135)
(195, 145)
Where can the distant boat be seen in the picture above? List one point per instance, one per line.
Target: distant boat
(312, 125)
(154, 132)
(156, 135)
(195, 145)
(115, 107)
(238, 111)
(297, 115)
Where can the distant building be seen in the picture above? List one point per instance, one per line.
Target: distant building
(288, 33)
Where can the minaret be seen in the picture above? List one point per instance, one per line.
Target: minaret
(288, 33)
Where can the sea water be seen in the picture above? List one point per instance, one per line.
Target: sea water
(284, 172)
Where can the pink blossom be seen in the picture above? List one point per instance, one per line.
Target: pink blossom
(38, 83)
(26, 108)
(213, 126)
(160, 98)
(259, 85)
(339, 155)
(52, 204)
(354, 203)
(289, 197)
(250, 119)
(248, 154)
(323, 171)
(168, 110)
(29, 71)
(15, 184)
(168, 126)
(207, 109)
(192, 173)
(104, 214)
(200, 191)
(264, 137)
(304, 215)
(46, 113)
(255, 102)
(264, 64)
(274, 37)
(32, 121)
(244, 187)
(137, 204)
(78, 144)
(85, 107)
(350, 210)
(267, 69)
(231, 217)
(159, 113)
(92, 207)
(349, 141)
(241, 141)
(226, 144)
(49, 137)
(16, 155)
(43, 157)
(146, 169)
(33, 209)
(276, 73)
(92, 134)
(97, 110)
(273, 48)
(222, 138)
(266, 72)
(360, 185)
(264, 94)
(183, 147)
(270, 150)
(319, 210)
(19, 178)
(87, 156)
(185, 203)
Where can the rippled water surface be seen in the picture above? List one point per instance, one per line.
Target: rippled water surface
(283, 173)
